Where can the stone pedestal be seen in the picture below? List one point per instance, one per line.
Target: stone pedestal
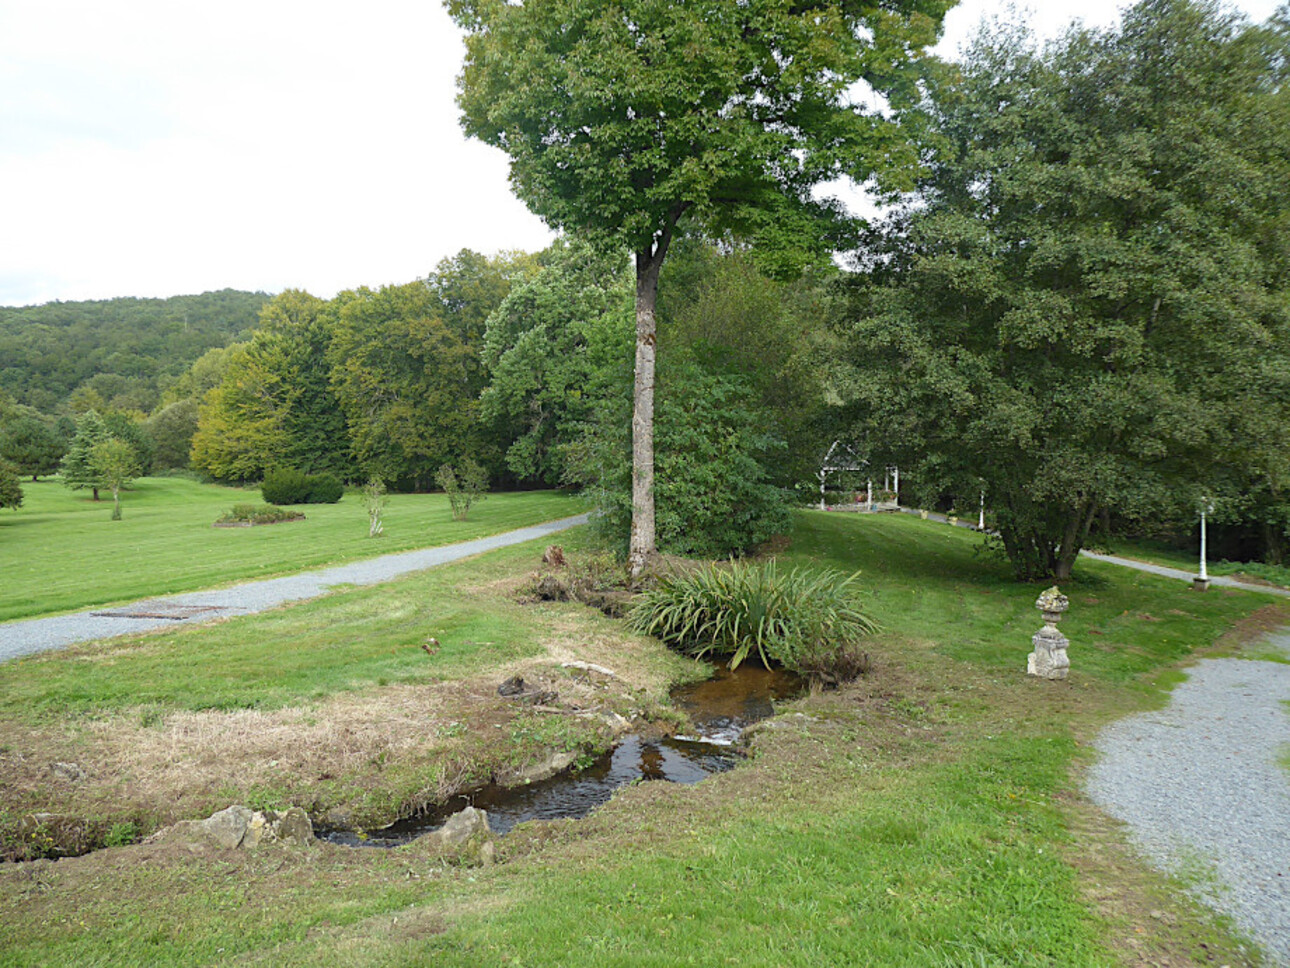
(1049, 659)
(1199, 584)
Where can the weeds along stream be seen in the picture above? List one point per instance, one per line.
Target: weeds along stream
(719, 709)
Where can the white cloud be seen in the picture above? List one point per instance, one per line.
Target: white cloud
(155, 148)
(151, 147)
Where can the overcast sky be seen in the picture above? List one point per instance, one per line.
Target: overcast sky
(156, 147)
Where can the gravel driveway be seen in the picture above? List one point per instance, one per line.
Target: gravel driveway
(1199, 786)
(39, 634)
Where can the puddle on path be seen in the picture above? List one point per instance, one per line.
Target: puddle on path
(719, 709)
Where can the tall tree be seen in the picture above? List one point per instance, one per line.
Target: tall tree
(1087, 304)
(623, 118)
(547, 349)
(171, 431)
(274, 405)
(10, 489)
(404, 382)
(32, 445)
(719, 307)
(78, 468)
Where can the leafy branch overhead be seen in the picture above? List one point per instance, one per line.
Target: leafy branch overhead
(619, 118)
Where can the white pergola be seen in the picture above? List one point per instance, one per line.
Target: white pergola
(839, 458)
(842, 457)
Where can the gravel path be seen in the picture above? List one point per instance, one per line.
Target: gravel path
(39, 634)
(1164, 571)
(1200, 788)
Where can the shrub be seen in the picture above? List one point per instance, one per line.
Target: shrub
(324, 489)
(808, 621)
(258, 514)
(375, 499)
(464, 486)
(715, 451)
(121, 834)
(286, 485)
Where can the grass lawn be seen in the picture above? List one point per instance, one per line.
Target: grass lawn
(60, 551)
(928, 815)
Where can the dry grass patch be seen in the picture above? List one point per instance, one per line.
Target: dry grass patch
(357, 758)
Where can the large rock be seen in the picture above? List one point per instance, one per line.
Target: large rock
(241, 827)
(551, 764)
(514, 686)
(464, 826)
(228, 827)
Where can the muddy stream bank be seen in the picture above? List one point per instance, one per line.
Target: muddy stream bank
(719, 709)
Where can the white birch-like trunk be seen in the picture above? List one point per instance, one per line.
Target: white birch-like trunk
(643, 542)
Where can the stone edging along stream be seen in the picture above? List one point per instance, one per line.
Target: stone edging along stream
(548, 787)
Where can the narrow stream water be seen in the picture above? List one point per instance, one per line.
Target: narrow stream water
(719, 709)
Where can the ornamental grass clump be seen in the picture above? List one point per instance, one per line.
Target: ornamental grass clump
(806, 620)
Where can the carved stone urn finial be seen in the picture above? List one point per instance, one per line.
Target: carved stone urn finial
(1049, 660)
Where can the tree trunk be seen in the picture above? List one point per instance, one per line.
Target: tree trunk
(116, 504)
(643, 537)
(1073, 538)
(1272, 551)
(649, 261)
(96, 492)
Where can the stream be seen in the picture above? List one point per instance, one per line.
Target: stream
(719, 710)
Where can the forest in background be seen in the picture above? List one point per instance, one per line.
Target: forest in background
(114, 354)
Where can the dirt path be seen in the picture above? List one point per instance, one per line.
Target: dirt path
(40, 634)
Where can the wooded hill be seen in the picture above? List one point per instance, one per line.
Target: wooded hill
(123, 353)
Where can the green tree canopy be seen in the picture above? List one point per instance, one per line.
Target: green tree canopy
(78, 468)
(274, 405)
(549, 350)
(620, 119)
(404, 382)
(123, 351)
(171, 431)
(115, 464)
(10, 489)
(32, 446)
(1087, 304)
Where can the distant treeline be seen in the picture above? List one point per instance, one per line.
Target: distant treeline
(114, 354)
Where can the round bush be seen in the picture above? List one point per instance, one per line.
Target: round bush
(286, 485)
(324, 489)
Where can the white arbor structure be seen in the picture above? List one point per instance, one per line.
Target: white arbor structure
(840, 458)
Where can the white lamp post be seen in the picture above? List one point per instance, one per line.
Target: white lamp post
(1201, 581)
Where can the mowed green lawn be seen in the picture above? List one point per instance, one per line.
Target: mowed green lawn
(60, 551)
(928, 816)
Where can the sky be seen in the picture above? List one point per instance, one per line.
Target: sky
(155, 147)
